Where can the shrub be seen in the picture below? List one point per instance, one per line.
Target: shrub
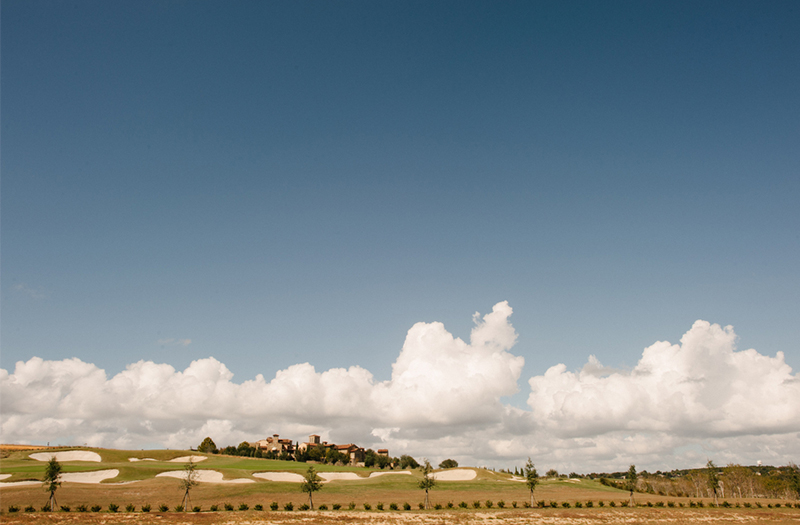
(196, 508)
(501, 504)
(163, 508)
(612, 504)
(700, 504)
(65, 508)
(438, 506)
(178, 508)
(670, 504)
(113, 507)
(758, 504)
(288, 506)
(323, 507)
(367, 506)
(540, 504)
(565, 504)
(273, 505)
(46, 508)
(304, 506)
(351, 505)
(130, 507)
(244, 506)
(228, 506)
(213, 508)
(624, 504)
(392, 506)
(659, 503)
(96, 508)
(13, 508)
(601, 504)
(421, 506)
(649, 504)
(578, 505)
(258, 506)
(489, 504)
(379, 506)
(336, 506)
(554, 504)
(514, 504)
(406, 506)
(777, 505)
(30, 508)
(589, 504)
(82, 508)
(476, 504)
(146, 508)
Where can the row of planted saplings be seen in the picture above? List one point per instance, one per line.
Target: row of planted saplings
(394, 506)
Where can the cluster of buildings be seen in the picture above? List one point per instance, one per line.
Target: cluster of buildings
(280, 446)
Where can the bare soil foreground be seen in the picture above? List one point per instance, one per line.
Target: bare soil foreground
(499, 517)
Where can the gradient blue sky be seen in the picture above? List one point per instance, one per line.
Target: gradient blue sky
(283, 182)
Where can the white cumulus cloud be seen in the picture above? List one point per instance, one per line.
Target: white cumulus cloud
(679, 403)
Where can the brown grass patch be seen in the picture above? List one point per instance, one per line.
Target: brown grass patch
(515, 517)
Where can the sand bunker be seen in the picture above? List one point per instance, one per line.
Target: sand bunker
(462, 474)
(203, 476)
(71, 477)
(339, 476)
(69, 455)
(89, 477)
(376, 474)
(142, 459)
(18, 483)
(279, 476)
(185, 459)
(4, 476)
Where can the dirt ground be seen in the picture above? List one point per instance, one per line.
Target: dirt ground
(499, 517)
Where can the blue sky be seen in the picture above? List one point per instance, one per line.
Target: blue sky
(289, 182)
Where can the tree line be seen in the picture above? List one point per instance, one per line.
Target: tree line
(318, 454)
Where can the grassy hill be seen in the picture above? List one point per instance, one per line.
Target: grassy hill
(137, 484)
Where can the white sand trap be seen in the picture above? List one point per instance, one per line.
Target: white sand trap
(89, 477)
(279, 476)
(69, 455)
(4, 476)
(142, 459)
(185, 459)
(462, 474)
(376, 474)
(18, 483)
(203, 476)
(339, 476)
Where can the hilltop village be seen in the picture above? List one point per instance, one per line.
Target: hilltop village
(314, 450)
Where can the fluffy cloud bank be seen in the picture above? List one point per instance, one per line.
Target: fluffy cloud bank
(679, 404)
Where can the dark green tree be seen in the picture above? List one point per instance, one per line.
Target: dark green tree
(630, 482)
(428, 481)
(448, 463)
(311, 484)
(531, 478)
(407, 461)
(207, 446)
(52, 473)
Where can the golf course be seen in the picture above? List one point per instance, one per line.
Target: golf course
(147, 486)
